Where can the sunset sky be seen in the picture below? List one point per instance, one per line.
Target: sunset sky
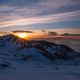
(56, 15)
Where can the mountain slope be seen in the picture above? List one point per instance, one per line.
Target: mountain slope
(37, 60)
(17, 47)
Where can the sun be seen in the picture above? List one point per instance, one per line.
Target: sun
(22, 35)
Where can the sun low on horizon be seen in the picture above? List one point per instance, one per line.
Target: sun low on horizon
(22, 35)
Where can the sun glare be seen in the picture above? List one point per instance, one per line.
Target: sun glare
(22, 35)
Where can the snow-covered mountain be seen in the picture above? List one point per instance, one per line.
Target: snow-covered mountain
(15, 47)
(37, 60)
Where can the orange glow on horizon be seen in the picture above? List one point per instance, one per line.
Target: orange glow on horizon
(22, 35)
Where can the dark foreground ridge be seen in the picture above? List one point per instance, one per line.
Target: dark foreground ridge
(13, 48)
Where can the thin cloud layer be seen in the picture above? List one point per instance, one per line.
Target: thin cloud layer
(42, 19)
(22, 31)
(29, 12)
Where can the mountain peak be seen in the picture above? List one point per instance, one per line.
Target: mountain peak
(50, 50)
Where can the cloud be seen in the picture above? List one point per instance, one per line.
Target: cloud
(30, 8)
(69, 34)
(51, 33)
(16, 31)
(74, 15)
(27, 12)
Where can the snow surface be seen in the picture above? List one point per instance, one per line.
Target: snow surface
(29, 71)
(13, 65)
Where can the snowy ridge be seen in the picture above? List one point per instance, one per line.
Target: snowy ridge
(14, 48)
(37, 60)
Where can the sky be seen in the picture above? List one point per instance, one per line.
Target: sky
(55, 15)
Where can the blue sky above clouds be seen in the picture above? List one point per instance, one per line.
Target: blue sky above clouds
(39, 14)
